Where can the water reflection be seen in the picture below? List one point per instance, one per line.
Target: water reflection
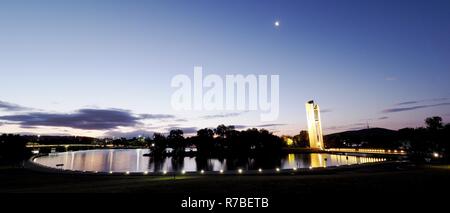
(121, 160)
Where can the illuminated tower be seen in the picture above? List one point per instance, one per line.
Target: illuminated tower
(314, 126)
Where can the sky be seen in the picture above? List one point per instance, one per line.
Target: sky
(104, 68)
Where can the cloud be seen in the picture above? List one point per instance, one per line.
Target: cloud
(11, 107)
(156, 116)
(407, 103)
(326, 110)
(86, 119)
(383, 118)
(27, 127)
(223, 115)
(270, 125)
(186, 130)
(180, 120)
(401, 109)
(422, 101)
(131, 134)
(242, 127)
(352, 126)
(146, 133)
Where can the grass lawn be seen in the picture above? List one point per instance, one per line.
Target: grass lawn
(382, 182)
(389, 178)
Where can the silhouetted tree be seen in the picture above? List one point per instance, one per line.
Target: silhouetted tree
(302, 139)
(12, 146)
(424, 141)
(205, 141)
(176, 140)
(160, 142)
(434, 123)
(223, 131)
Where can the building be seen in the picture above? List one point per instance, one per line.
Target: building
(287, 140)
(314, 125)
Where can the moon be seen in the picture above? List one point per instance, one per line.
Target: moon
(276, 23)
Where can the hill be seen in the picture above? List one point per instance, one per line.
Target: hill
(373, 137)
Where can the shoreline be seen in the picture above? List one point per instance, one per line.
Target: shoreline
(31, 165)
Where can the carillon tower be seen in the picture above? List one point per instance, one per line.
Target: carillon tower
(314, 125)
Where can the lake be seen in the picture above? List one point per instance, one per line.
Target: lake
(132, 160)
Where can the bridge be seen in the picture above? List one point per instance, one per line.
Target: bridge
(60, 145)
(367, 151)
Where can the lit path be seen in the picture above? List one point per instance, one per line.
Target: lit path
(367, 151)
(61, 145)
(239, 172)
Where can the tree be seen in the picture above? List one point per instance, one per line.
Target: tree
(223, 131)
(160, 142)
(220, 130)
(12, 146)
(205, 141)
(175, 139)
(434, 123)
(175, 134)
(302, 139)
(205, 133)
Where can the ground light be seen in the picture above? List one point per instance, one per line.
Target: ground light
(221, 171)
(260, 170)
(277, 169)
(127, 172)
(183, 172)
(310, 167)
(435, 154)
(110, 172)
(164, 172)
(202, 171)
(295, 168)
(240, 171)
(146, 172)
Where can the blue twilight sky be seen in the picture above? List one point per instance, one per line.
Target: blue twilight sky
(103, 68)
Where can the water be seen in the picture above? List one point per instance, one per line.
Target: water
(132, 160)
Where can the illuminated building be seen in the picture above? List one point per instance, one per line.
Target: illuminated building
(287, 140)
(314, 125)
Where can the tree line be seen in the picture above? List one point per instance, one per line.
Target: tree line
(221, 141)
